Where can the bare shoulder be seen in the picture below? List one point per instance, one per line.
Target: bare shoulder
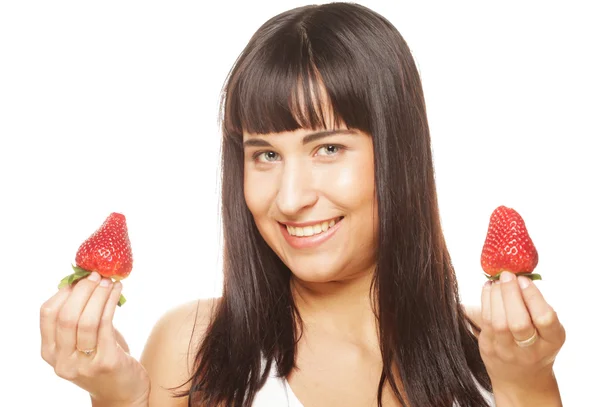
(169, 354)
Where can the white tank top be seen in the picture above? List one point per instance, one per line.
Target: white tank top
(277, 393)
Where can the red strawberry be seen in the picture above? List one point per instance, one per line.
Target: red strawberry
(508, 246)
(107, 251)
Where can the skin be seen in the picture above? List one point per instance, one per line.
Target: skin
(80, 317)
(291, 180)
(513, 308)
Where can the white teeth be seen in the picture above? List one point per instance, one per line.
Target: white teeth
(308, 230)
(311, 230)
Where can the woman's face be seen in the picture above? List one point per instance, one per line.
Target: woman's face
(312, 196)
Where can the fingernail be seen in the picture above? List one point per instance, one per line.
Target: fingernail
(524, 282)
(488, 284)
(95, 277)
(506, 276)
(105, 282)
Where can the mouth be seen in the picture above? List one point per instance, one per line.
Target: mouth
(314, 229)
(305, 236)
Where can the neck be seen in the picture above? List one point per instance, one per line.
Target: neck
(341, 308)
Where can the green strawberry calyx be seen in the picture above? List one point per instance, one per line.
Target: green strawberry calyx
(531, 276)
(78, 274)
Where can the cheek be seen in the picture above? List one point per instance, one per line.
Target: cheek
(250, 193)
(257, 192)
(353, 186)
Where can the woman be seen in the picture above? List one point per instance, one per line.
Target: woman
(338, 287)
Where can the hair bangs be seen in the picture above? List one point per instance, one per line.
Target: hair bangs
(283, 85)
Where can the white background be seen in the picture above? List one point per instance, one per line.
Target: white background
(112, 106)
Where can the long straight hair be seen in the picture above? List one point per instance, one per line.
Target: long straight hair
(372, 84)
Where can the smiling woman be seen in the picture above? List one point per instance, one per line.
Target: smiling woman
(314, 200)
(338, 286)
(324, 122)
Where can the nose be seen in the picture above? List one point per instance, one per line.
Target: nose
(296, 191)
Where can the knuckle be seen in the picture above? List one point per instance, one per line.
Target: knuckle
(66, 321)
(105, 320)
(547, 319)
(65, 371)
(106, 365)
(47, 355)
(563, 335)
(46, 312)
(521, 328)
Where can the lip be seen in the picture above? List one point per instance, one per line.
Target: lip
(308, 242)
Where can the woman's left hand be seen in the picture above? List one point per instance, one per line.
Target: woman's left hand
(513, 310)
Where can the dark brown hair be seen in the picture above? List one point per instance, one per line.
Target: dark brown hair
(371, 84)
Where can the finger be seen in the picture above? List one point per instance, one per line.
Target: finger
(486, 305)
(517, 315)
(48, 315)
(502, 334)
(106, 332)
(68, 317)
(89, 322)
(542, 314)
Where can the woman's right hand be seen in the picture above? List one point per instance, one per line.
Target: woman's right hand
(80, 318)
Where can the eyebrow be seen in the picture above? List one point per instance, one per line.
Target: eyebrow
(309, 138)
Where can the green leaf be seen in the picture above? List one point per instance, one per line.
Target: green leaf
(64, 282)
(78, 274)
(532, 276)
(79, 271)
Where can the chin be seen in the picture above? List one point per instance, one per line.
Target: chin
(310, 276)
(316, 272)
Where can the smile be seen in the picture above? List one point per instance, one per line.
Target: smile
(312, 230)
(310, 235)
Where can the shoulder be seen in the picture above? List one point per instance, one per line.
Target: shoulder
(186, 321)
(171, 348)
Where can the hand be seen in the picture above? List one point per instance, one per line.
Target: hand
(513, 309)
(81, 344)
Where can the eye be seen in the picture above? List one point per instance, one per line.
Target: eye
(329, 149)
(265, 156)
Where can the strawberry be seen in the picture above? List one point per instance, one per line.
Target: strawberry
(508, 246)
(107, 251)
